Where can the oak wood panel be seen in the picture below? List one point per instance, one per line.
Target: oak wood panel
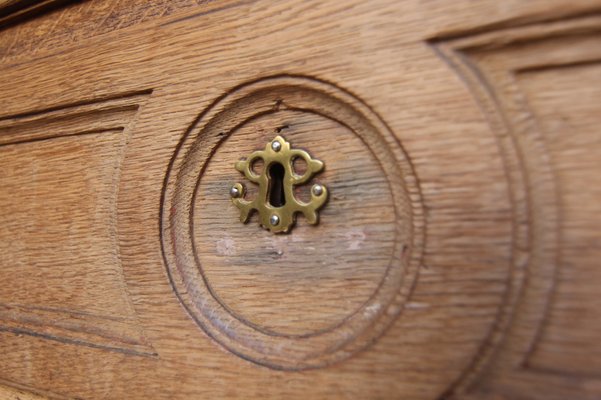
(12, 393)
(50, 235)
(12, 11)
(442, 146)
(67, 25)
(568, 343)
(255, 287)
(507, 71)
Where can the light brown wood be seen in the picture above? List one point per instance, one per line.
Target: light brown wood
(12, 393)
(456, 257)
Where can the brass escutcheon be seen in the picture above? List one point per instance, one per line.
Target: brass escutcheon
(276, 204)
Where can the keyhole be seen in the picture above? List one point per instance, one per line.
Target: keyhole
(277, 198)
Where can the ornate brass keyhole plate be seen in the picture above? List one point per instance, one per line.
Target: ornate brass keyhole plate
(276, 204)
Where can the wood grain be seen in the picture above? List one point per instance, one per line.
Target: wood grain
(294, 315)
(515, 77)
(456, 257)
(49, 228)
(61, 25)
(11, 393)
(15, 11)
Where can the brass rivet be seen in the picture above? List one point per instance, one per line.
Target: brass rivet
(235, 192)
(317, 190)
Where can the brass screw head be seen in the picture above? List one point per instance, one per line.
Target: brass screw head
(235, 192)
(317, 190)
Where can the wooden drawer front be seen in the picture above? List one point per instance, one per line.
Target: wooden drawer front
(455, 257)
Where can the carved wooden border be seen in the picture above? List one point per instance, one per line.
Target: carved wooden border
(79, 327)
(360, 328)
(489, 64)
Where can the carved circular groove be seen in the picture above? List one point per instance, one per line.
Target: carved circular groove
(233, 325)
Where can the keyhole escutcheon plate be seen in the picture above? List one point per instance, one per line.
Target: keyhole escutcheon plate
(276, 204)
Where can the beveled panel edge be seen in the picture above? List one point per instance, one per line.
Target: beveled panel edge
(112, 114)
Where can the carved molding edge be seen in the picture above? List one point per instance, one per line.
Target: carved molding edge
(488, 63)
(113, 115)
(254, 343)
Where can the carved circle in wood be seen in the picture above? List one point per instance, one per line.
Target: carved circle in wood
(320, 293)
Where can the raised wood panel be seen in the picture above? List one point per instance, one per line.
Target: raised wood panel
(537, 86)
(236, 269)
(315, 297)
(50, 235)
(454, 258)
(566, 111)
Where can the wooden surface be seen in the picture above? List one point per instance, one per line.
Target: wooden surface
(13, 12)
(456, 257)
